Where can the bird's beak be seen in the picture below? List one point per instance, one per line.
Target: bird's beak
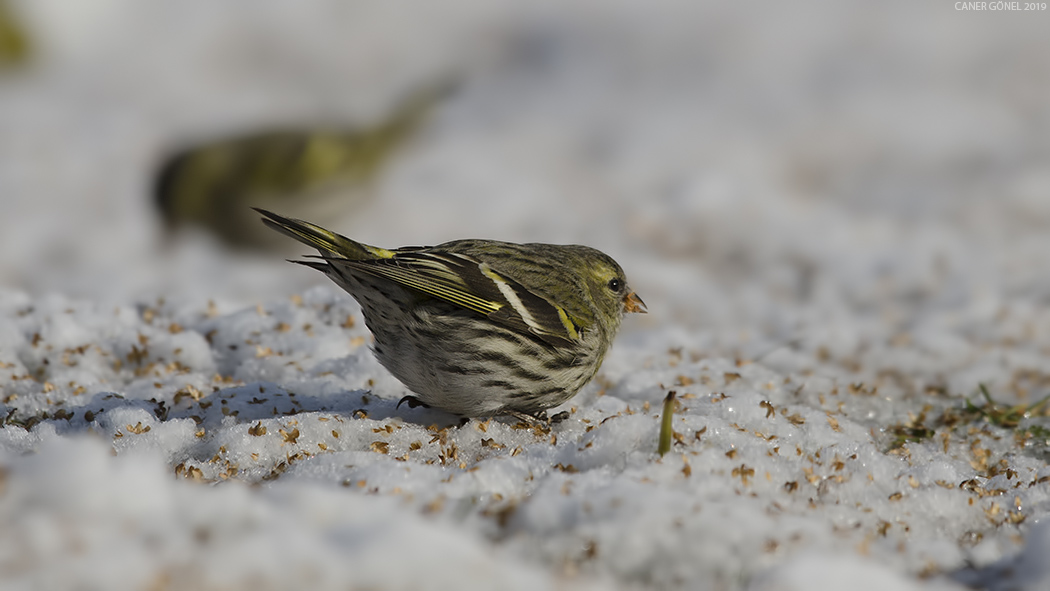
(633, 303)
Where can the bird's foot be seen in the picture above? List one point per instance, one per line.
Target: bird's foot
(538, 419)
(554, 420)
(412, 402)
(527, 419)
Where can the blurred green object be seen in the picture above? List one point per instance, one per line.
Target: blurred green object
(14, 42)
(666, 425)
(318, 173)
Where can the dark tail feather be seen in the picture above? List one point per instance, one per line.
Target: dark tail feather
(312, 235)
(321, 265)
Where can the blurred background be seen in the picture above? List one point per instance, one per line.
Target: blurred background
(771, 163)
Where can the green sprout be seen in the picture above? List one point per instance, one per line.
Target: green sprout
(1001, 415)
(666, 432)
(912, 431)
(917, 428)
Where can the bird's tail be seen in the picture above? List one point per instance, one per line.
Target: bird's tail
(328, 242)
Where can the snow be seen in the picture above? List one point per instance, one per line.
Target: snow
(836, 214)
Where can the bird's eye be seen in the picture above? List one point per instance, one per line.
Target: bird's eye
(616, 285)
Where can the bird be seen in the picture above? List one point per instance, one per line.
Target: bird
(479, 328)
(313, 171)
(16, 47)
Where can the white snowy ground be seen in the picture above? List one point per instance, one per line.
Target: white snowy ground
(837, 214)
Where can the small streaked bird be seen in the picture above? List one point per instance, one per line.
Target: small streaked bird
(320, 172)
(479, 328)
(15, 46)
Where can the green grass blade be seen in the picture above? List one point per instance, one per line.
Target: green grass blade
(665, 424)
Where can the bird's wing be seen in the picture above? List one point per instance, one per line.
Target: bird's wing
(474, 285)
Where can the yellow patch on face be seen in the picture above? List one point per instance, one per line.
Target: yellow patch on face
(604, 274)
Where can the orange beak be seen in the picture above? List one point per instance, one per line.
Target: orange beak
(633, 303)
